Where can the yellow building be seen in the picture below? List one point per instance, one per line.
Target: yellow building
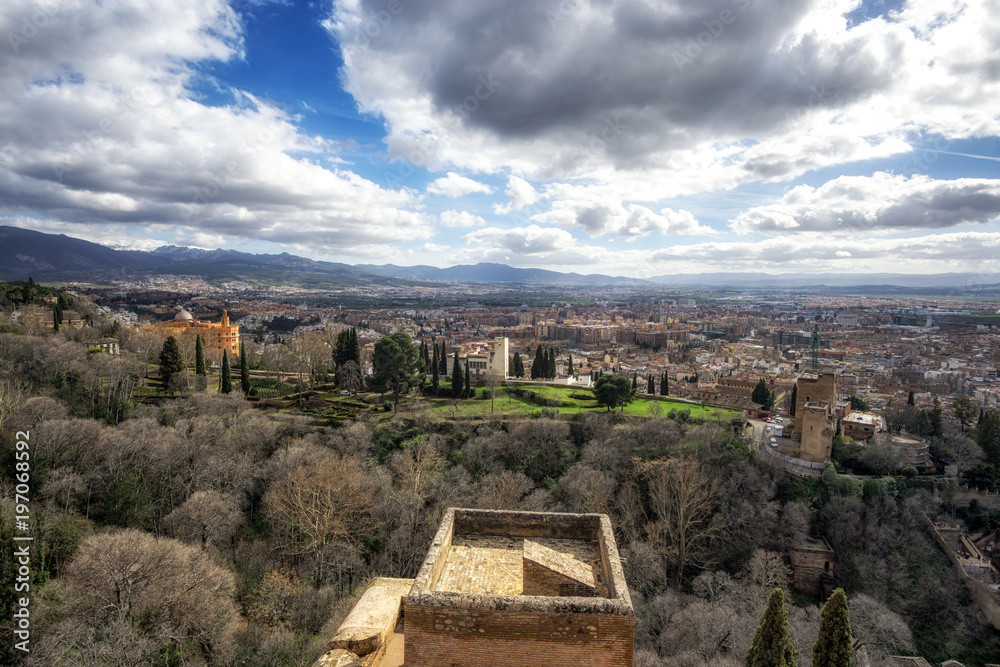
(214, 336)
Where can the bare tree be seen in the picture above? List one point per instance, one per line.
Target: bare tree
(206, 518)
(171, 591)
(683, 499)
(493, 379)
(503, 491)
(586, 489)
(322, 508)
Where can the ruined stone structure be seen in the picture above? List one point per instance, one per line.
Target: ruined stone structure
(215, 336)
(502, 589)
(812, 567)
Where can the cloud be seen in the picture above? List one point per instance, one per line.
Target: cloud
(880, 202)
(461, 219)
(609, 217)
(529, 240)
(934, 253)
(454, 185)
(519, 194)
(100, 127)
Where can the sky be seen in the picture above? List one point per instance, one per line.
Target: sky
(627, 137)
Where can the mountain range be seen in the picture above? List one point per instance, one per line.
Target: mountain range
(57, 257)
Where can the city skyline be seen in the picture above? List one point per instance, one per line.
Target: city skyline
(624, 138)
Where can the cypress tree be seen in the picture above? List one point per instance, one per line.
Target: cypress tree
(456, 377)
(443, 360)
(552, 362)
(834, 645)
(200, 367)
(650, 384)
(57, 316)
(772, 644)
(355, 347)
(244, 371)
(569, 365)
(910, 400)
(227, 376)
(467, 391)
(795, 397)
(760, 393)
(538, 363)
(435, 375)
(664, 385)
(936, 425)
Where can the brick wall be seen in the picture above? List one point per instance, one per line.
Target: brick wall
(443, 637)
(540, 580)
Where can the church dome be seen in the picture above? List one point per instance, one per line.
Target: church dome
(183, 315)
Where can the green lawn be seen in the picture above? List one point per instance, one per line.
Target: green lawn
(567, 400)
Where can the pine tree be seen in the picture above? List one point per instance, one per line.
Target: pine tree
(468, 381)
(650, 384)
(200, 367)
(834, 645)
(244, 371)
(772, 644)
(435, 375)
(795, 397)
(456, 377)
(170, 360)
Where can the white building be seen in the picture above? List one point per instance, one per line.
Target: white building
(495, 358)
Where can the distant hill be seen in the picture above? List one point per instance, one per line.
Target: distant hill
(500, 273)
(24, 253)
(57, 257)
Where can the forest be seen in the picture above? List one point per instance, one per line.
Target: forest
(199, 529)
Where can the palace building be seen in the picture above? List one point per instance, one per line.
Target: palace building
(214, 336)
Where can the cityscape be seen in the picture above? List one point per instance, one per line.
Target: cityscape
(601, 333)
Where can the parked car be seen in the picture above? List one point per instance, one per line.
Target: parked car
(344, 392)
(774, 442)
